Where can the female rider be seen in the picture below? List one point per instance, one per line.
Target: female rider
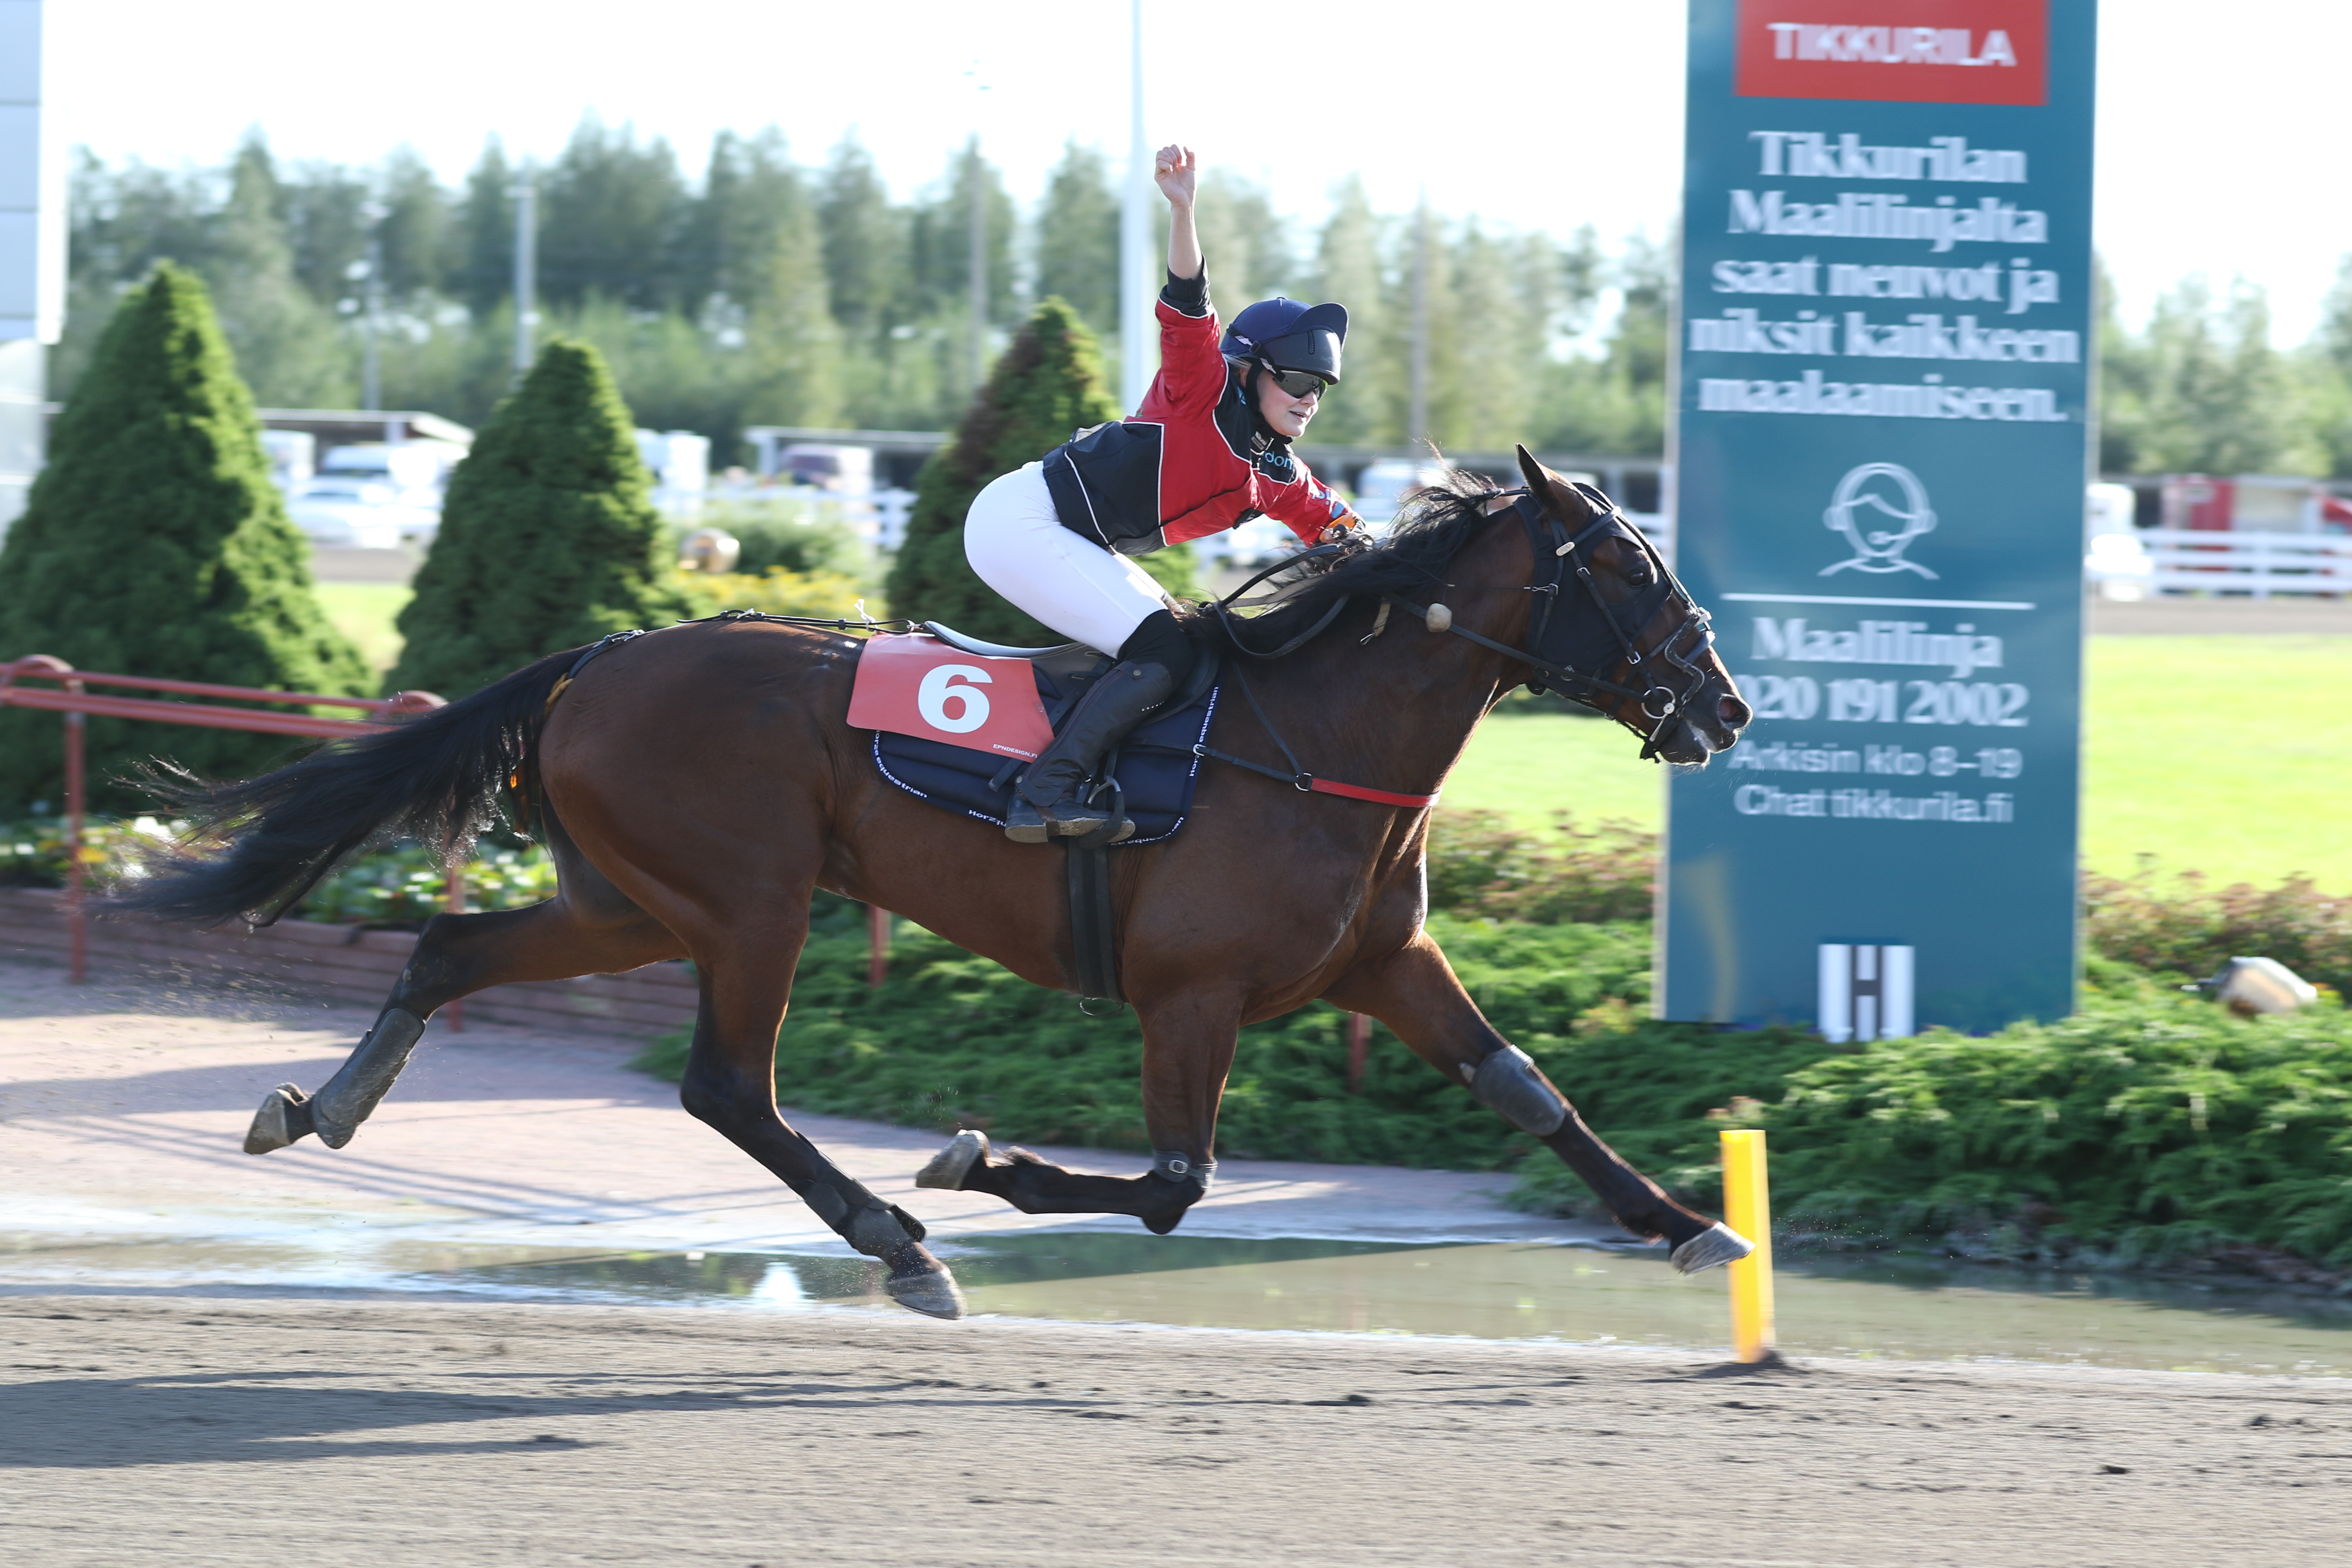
(1209, 448)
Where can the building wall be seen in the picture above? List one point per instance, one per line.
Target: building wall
(32, 248)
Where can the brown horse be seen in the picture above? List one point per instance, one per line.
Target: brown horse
(697, 784)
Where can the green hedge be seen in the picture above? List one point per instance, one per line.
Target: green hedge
(2152, 1126)
(954, 1040)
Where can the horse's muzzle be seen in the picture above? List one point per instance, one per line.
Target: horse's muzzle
(1689, 742)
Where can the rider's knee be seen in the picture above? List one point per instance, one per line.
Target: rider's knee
(1508, 1084)
(1160, 640)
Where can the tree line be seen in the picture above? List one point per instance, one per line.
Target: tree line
(767, 291)
(2201, 388)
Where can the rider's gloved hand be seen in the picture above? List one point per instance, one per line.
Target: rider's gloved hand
(1346, 526)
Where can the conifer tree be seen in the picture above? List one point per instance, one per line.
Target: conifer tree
(549, 538)
(154, 543)
(1047, 386)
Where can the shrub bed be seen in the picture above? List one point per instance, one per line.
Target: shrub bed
(2151, 1128)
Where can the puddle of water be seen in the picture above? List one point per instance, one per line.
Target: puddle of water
(1912, 1310)
(1904, 1308)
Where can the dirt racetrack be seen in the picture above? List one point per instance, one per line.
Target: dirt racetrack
(328, 1432)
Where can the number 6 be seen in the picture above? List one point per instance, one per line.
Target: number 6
(931, 698)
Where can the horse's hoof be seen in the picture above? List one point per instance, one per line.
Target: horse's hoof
(951, 1165)
(284, 1119)
(1718, 1243)
(921, 1283)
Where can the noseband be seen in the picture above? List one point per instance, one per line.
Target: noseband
(1556, 649)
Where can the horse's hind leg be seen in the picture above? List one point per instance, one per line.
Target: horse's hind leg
(455, 956)
(731, 1083)
(1188, 1049)
(1415, 993)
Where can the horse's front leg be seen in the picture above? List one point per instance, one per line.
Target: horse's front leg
(746, 970)
(1187, 1048)
(1415, 993)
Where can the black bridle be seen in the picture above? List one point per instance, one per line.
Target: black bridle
(1557, 647)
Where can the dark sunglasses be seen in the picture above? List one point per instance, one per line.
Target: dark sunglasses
(1297, 383)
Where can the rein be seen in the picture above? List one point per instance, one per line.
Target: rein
(1548, 538)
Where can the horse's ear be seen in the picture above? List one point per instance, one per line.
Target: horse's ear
(1550, 489)
(1538, 477)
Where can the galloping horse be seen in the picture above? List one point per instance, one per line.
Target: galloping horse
(697, 784)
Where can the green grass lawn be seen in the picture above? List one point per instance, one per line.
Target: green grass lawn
(363, 611)
(2231, 755)
(2224, 754)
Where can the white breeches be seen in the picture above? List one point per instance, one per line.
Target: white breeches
(1018, 546)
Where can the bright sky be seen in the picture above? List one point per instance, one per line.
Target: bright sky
(2218, 140)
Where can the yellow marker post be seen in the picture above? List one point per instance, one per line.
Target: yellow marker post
(1748, 1209)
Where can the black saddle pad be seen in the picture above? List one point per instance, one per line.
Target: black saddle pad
(1154, 766)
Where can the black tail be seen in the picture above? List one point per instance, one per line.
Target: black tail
(435, 777)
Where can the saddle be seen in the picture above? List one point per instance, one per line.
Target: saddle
(1152, 775)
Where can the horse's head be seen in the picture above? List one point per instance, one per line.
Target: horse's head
(1618, 613)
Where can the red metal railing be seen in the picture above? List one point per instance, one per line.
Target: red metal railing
(72, 696)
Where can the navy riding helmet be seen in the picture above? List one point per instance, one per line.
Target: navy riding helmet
(1289, 335)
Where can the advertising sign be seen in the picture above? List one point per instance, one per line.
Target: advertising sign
(1881, 449)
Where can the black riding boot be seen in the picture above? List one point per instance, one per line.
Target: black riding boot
(1121, 701)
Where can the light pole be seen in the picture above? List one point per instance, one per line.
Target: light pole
(976, 172)
(1417, 415)
(1136, 282)
(370, 272)
(526, 270)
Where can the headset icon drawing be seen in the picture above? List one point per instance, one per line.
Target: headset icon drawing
(1879, 550)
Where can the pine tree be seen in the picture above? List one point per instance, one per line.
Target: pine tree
(155, 544)
(1045, 388)
(1077, 238)
(287, 346)
(549, 538)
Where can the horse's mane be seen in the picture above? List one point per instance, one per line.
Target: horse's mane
(1409, 561)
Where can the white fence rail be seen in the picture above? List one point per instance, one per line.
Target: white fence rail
(2259, 564)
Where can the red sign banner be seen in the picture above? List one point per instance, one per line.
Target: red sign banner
(920, 686)
(1903, 51)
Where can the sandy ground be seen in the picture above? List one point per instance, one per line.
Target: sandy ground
(147, 1419)
(369, 1433)
(122, 1107)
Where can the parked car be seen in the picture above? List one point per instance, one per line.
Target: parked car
(340, 510)
(842, 470)
(1260, 542)
(1384, 487)
(376, 495)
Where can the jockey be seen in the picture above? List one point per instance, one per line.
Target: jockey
(1209, 448)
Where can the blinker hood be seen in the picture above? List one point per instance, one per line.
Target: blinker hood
(1578, 633)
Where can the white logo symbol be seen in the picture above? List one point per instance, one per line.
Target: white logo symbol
(1880, 550)
(931, 698)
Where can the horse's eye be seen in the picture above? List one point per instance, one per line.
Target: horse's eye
(1638, 574)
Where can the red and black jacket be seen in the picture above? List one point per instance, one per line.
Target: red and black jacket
(1191, 461)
